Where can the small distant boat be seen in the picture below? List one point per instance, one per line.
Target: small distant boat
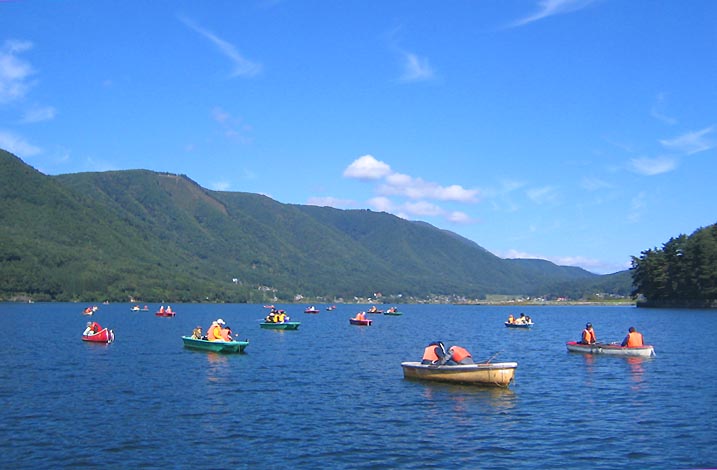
(519, 325)
(164, 313)
(374, 310)
(90, 310)
(135, 308)
(311, 310)
(610, 349)
(103, 336)
(330, 308)
(392, 311)
(215, 346)
(498, 374)
(287, 325)
(354, 321)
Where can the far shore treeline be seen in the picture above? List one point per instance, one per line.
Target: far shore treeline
(138, 235)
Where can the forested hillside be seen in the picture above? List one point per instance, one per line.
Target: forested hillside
(161, 237)
(683, 273)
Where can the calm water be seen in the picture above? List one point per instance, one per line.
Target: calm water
(331, 395)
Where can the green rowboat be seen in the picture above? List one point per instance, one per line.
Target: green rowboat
(287, 325)
(215, 346)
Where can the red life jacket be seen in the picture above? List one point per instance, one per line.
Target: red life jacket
(459, 353)
(429, 354)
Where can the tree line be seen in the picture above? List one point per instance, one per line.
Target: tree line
(683, 273)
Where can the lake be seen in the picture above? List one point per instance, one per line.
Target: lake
(332, 395)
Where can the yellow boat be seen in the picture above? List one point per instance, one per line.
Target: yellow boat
(498, 374)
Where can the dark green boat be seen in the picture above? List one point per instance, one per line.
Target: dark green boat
(287, 325)
(215, 346)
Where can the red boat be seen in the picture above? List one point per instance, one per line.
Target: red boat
(354, 321)
(311, 310)
(96, 334)
(165, 312)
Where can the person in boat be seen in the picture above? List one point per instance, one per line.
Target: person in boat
(197, 333)
(511, 319)
(214, 333)
(588, 336)
(161, 309)
(360, 316)
(271, 318)
(92, 328)
(281, 317)
(226, 333)
(633, 338)
(169, 309)
(459, 355)
(372, 309)
(435, 353)
(521, 320)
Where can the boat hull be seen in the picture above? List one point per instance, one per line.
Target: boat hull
(395, 314)
(215, 346)
(498, 374)
(287, 325)
(164, 314)
(103, 336)
(353, 321)
(519, 325)
(610, 349)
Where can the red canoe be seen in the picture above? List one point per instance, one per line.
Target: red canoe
(103, 336)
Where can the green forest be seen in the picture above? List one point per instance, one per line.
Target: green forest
(683, 273)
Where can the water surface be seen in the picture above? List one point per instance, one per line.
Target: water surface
(333, 395)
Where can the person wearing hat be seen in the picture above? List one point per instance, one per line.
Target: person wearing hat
(589, 335)
(214, 332)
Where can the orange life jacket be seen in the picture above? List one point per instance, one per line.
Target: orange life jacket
(214, 333)
(459, 353)
(634, 339)
(429, 354)
(589, 336)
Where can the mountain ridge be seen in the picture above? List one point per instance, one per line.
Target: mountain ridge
(156, 236)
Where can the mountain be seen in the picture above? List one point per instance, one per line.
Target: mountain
(161, 237)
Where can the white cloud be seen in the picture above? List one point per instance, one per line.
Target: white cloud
(652, 166)
(459, 217)
(692, 142)
(367, 168)
(417, 188)
(637, 204)
(39, 114)
(331, 202)
(14, 72)
(589, 264)
(415, 68)
(594, 184)
(221, 186)
(544, 195)
(381, 204)
(242, 66)
(657, 113)
(422, 208)
(17, 145)
(549, 8)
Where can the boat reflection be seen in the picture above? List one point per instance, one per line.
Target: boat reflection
(463, 396)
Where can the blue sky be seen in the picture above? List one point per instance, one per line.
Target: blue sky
(577, 131)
